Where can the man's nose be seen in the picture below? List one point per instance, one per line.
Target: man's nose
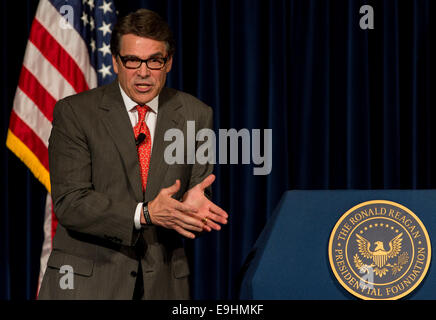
(143, 70)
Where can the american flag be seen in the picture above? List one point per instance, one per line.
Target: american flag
(68, 51)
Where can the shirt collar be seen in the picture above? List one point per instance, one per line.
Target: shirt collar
(130, 104)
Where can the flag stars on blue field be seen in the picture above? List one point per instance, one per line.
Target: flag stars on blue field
(105, 28)
(105, 49)
(92, 45)
(106, 7)
(91, 24)
(84, 18)
(105, 70)
(90, 3)
(98, 18)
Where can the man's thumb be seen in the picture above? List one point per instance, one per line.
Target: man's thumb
(174, 188)
(207, 181)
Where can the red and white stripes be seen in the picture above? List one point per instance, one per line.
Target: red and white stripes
(56, 64)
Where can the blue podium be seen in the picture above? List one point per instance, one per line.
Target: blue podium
(290, 260)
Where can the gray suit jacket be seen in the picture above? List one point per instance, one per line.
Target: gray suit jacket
(96, 186)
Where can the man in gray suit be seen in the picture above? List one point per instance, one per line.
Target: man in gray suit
(122, 209)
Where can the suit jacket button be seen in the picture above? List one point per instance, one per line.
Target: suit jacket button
(133, 273)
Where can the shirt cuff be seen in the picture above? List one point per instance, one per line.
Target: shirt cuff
(137, 218)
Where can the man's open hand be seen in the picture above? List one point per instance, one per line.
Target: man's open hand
(194, 214)
(169, 213)
(210, 214)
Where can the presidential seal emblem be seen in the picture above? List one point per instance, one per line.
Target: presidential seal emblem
(379, 250)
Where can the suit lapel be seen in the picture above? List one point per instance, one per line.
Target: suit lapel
(120, 130)
(168, 117)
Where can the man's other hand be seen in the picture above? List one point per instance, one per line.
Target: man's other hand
(209, 213)
(172, 214)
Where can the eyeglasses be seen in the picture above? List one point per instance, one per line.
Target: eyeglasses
(132, 62)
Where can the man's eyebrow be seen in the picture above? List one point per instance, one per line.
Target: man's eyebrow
(154, 55)
(131, 56)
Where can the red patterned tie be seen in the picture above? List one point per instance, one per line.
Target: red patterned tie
(144, 148)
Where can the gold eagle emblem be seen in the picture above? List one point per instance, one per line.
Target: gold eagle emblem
(379, 255)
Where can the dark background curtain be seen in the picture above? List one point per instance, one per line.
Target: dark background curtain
(348, 108)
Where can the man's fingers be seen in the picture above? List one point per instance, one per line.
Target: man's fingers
(189, 227)
(218, 211)
(211, 224)
(184, 233)
(173, 189)
(188, 222)
(180, 206)
(217, 218)
(207, 181)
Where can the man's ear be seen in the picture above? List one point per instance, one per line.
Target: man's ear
(115, 64)
(169, 64)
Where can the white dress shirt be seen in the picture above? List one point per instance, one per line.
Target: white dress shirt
(150, 120)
